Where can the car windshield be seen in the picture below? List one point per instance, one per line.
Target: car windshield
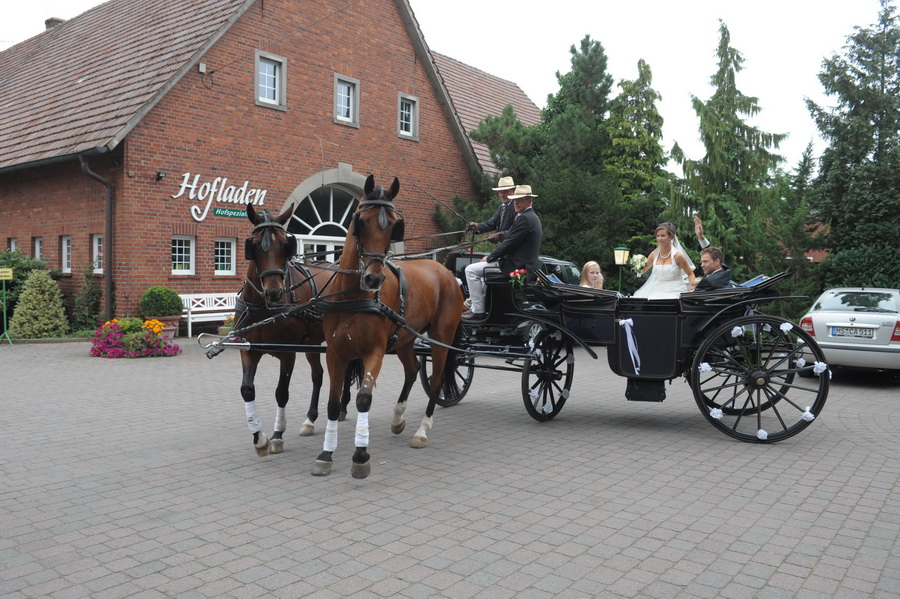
(858, 301)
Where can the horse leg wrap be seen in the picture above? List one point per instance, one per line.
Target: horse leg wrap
(331, 430)
(253, 421)
(362, 429)
(280, 420)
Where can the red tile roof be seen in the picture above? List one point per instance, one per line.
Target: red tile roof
(85, 83)
(476, 94)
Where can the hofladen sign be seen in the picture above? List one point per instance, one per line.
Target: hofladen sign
(220, 191)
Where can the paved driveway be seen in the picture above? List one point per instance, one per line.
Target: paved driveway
(136, 478)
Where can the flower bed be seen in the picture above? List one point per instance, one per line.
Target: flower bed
(124, 339)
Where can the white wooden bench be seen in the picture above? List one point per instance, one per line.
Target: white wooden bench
(206, 307)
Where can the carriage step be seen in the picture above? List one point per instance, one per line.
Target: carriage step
(645, 390)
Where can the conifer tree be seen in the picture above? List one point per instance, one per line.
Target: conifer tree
(39, 312)
(730, 186)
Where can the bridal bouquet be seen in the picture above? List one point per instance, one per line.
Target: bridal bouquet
(638, 262)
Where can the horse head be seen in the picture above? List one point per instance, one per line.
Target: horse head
(376, 224)
(269, 249)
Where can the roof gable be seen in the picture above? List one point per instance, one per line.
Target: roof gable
(85, 83)
(476, 95)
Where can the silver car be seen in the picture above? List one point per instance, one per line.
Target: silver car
(857, 327)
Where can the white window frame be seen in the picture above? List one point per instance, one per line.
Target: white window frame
(65, 253)
(97, 253)
(413, 101)
(192, 245)
(13, 244)
(345, 114)
(231, 244)
(277, 90)
(37, 244)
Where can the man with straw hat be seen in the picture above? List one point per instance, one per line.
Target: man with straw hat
(502, 219)
(519, 249)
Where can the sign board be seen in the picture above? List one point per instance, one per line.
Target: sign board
(231, 212)
(6, 274)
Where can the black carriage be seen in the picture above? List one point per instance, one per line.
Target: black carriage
(744, 367)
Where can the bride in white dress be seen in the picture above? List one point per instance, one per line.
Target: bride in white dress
(673, 271)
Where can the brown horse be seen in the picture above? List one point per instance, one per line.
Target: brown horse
(274, 287)
(372, 308)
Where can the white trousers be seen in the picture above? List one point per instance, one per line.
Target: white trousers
(475, 280)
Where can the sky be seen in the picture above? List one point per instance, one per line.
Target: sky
(783, 43)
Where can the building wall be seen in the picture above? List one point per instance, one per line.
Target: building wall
(210, 126)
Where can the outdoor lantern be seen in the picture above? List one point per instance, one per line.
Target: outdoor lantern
(621, 258)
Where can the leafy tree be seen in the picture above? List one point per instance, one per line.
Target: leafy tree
(858, 187)
(86, 315)
(39, 312)
(730, 187)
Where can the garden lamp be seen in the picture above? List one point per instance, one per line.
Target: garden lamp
(621, 257)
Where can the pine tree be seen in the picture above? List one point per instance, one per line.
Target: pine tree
(730, 187)
(39, 312)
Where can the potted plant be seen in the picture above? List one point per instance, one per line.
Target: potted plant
(162, 304)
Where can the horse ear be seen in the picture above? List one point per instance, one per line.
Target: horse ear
(395, 189)
(370, 184)
(252, 214)
(286, 215)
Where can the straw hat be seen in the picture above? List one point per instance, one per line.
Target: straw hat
(522, 191)
(504, 183)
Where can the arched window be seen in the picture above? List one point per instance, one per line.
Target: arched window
(321, 221)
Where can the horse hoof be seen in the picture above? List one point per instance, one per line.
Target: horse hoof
(321, 468)
(276, 445)
(398, 428)
(419, 442)
(262, 446)
(360, 470)
(342, 416)
(307, 430)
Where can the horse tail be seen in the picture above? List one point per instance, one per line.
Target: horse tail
(452, 364)
(355, 371)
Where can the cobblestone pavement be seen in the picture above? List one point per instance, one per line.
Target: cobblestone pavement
(136, 478)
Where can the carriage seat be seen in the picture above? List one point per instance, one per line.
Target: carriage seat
(206, 307)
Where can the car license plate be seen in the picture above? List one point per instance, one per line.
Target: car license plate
(852, 332)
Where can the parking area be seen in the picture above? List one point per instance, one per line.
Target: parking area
(137, 478)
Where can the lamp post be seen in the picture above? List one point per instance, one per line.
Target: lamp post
(621, 258)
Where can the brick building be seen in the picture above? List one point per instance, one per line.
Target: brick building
(132, 135)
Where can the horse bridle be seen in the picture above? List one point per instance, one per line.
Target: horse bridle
(249, 254)
(397, 231)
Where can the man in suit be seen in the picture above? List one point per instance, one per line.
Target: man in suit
(502, 219)
(519, 249)
(715, 274)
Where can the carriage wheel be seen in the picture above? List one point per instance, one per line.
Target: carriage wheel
(456, 387)
(744, 379)
(547, 377)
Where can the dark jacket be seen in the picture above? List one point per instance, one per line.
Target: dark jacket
(501, 221)
(717, 280)
(522, 246)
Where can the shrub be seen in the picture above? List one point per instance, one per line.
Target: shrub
(22, 266)
(111, 341)
(40, 312)
(131, 325)
(161, 301)
(86, 314)
(867, 266)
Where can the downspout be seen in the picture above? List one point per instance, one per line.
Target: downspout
(108, 236)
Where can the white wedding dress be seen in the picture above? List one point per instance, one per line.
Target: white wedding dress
(666, 281)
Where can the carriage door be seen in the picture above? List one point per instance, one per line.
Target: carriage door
(320, 223)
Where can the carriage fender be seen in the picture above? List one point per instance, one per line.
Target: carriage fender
(555, 325)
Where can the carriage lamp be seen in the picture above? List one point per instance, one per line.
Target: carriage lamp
(620, 255)
(160, 175)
